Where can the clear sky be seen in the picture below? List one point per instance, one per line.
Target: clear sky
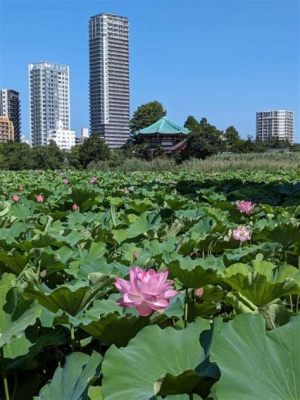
(219, 59)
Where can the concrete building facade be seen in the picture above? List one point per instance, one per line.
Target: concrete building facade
(6, 129)
(10, 107)
(65, 140)
(109, 78)
(49, 90)
(275, 124)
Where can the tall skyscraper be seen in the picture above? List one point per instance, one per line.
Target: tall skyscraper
(109, 78)
(49, 90)
(275, 124)
(10, 107)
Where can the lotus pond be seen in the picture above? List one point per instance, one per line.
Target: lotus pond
(147, 286)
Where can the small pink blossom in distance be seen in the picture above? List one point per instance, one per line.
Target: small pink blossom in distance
(39, 198)
(241, 233)
(245, 207)
(75, 207)
(147, 291)
(15, 197)
(199, 292)
(93, 179)
(65, 181)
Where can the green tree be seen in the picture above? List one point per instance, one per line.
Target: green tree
(204, 142)
(232, 136)
(47, 157)
(146, 114)
(93, 149)
(15, 156)
(73, 157)
(191, 123)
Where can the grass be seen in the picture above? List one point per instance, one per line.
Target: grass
(221, 162)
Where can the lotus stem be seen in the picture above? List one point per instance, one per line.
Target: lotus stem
(291, 303)
(297, 303)
(72, 333)
(186, 307)
(5, 383)
(6, 390)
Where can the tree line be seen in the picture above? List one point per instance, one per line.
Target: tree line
(204, 140)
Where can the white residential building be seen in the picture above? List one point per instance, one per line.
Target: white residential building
(275, 124)
(65, 139)
(49, 90)
(84, 134)
(109, 78)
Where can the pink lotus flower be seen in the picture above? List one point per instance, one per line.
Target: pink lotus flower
(65, 181)
(15, 197)
(241, 233)
(245, 207)
(199, 292)
(93, 179)
(39, 198)
(75, 207)
(147, 291)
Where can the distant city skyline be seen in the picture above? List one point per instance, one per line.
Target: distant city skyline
(222, 60)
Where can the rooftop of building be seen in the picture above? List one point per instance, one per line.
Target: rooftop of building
(109, 15)
(266, 111)
(164, 127)
(9, 90)
(48, 64)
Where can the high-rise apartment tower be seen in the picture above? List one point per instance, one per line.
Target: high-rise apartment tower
(49, 89)
(275, 124)
(10, 107)
(109, 78)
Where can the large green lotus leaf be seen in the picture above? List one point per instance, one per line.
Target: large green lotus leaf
(15, 316)
(68, 298)
(12, 261)
(17, 347)
(195, 273)
(147, 359)
(140, 206)
(261, 282)
(115, 329)
(139, 226)
(24, 210)
(287, 235)
(95, 393)
(11, 234)
(17, 355)
(256, 364)
(73, 380)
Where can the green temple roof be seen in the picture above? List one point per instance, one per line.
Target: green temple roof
(165, 127)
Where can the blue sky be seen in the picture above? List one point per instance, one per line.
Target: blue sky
(219, 59)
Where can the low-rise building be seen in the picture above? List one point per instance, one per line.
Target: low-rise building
(64, 139)
(164, 134)
(6, 129)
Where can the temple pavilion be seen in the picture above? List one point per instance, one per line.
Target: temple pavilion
(165, 134)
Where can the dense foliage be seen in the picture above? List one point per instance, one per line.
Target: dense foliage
(229, 332)
(146, 114)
